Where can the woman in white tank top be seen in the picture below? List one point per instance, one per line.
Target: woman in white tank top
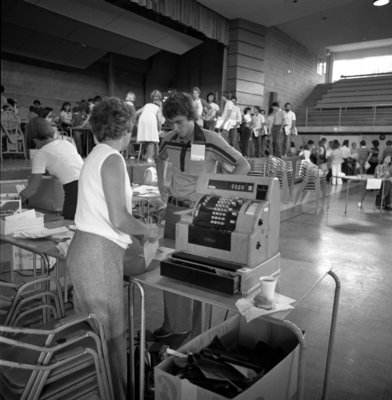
(105, 225)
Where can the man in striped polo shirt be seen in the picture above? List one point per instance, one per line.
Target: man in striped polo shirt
(188, 161)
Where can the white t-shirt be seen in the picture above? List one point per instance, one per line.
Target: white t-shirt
(346, 152)
(60, 159)
(289, 118)
(66, 117)
(92, 213)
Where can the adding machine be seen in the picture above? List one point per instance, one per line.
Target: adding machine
(231, 237)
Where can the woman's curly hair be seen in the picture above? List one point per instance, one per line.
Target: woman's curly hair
(111, 119)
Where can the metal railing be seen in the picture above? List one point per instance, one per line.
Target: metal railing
(338, 116)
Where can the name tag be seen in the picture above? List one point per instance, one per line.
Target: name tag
(198, 152)
(196, 163)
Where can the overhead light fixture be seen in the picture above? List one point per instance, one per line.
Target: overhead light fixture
(380, 3)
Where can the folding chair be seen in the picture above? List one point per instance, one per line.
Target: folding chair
(313, 179)
(30, 300)
(68, 360)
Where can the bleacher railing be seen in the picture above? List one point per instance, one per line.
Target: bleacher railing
(337, 116)
(366, 75)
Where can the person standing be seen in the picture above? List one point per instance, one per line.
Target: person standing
(197, 103)
(58, 157)
(212, 110)
(104, 223)
(257, 127)
(278, 135)
(373, 156)
(363, 154)
(150, 123)
(232, 118)
(66, 116)
(336, 163)
(346, 154)
(177, 148)
(245, 131)
(289, 128)
(387, 150)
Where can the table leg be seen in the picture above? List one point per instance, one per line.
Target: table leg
(301, 356)
(347, 190)
(131, 361)
(382, 196)
(142, 345)
(332, 332)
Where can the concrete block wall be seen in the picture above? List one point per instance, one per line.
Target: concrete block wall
(245, 62)
(290, 69)
(51, 85)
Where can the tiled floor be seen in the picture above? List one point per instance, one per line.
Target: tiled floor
(359, 246)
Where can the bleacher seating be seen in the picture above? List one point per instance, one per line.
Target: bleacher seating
(350, 102)
(359, 92)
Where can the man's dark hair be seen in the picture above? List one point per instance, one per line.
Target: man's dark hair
(363, 143)
(346, 142)
(179, 104)
(37, 103)
(287, 104)
(275, 104)
(389, 143)
(233, 97)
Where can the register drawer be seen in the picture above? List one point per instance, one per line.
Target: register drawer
(200, 277)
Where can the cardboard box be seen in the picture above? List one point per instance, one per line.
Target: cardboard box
(280, 383)
(23, 221)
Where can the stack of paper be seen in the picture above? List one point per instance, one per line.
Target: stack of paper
(250, 311)
(26, 220)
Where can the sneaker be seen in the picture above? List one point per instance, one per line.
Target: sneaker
(162, 333)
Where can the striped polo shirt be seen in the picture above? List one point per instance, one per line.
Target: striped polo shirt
(185, 171)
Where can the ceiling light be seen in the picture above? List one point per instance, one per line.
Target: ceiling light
(380, 3)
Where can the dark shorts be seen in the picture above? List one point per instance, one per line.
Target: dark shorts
(70, 199)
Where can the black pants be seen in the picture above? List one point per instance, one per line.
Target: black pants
(70, 199)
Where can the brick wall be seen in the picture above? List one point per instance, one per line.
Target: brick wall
(27, 80)
(290, 69)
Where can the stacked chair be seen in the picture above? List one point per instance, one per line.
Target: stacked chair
(272, 167)
(65, 360)
(29, 300)
(42, 354)
(313, 179)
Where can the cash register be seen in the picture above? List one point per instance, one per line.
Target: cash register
(231, 237)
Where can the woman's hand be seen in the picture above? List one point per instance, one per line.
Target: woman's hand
(152, 233)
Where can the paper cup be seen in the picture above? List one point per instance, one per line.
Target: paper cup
(267, 286)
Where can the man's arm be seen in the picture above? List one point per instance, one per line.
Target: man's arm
(32, 187)
(164, 190)
(242, 167)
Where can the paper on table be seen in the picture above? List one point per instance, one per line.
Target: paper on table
(39, 232)
(250, 311)
(150, 248)
(162, 253)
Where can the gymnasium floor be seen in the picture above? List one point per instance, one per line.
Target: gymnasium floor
(359, 247)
